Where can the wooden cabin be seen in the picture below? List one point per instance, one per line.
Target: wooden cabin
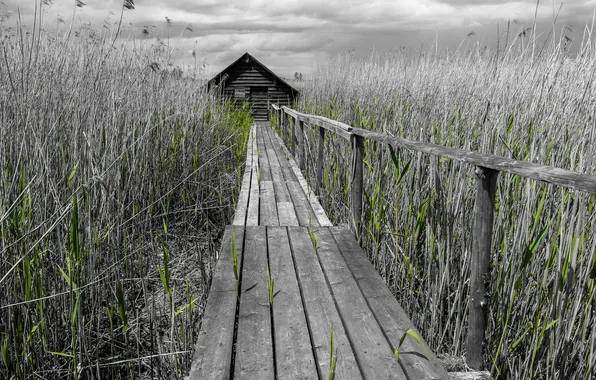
(247, 79)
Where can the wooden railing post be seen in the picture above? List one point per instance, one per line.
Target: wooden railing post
(320, 162)
(357, 183)
(284, 133)
(279, 113)
(302, 147)
(293, 138)
(486, 184)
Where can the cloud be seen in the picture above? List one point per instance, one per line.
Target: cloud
(294, 33)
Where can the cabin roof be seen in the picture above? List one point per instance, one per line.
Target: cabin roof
(217, 78)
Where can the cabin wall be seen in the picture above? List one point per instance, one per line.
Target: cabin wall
(244, 76)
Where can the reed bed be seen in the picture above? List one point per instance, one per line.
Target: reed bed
(116, 181)
(417, 208)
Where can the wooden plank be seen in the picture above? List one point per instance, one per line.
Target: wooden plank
(549, 174)
(320, 161)
(302, 147)
(242, 205)
(302, 205)
(486, 186)
(390, 315)
(287, 214)
(254, 346)
(282, 194)
(372, 350)
(357, 184)
(213, 352)
(268, 209)
(285, 208)
(317, 209)
(281, 191)
(252, 214)
(264, 171)
(331, 125)
(293, 349)
(320, 309)
(293, 137)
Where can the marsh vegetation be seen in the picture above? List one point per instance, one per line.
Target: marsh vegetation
(528, 101)
(116, 181)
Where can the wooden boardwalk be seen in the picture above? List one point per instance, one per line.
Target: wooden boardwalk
(300, 281)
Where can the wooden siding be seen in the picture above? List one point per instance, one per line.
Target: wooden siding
(241, 76)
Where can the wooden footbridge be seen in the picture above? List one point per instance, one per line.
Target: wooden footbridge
(301, 284)
(293, 297)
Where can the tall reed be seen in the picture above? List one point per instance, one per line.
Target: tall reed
(116, 180)
(417, 221)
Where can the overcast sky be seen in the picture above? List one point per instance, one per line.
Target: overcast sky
(293, 35)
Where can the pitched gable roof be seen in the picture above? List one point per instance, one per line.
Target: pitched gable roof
(217, 79)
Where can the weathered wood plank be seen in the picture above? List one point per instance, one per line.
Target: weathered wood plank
(320, 161)
(252, 213)
(281, 191)
(304, 212)
(264, 171)
(293, 349)
(331, 125)
(242, 205)
(372, 350)
(302, 146)
(299, 198)
(285, 209)
(480, 375)
(315, 206)
(254, 346)
(390, 315)
(356, 187)
(213, 352)
(320, 309)
(287, 214)
(293, 137)
(268, 210)
(484, 209)
(549, 174)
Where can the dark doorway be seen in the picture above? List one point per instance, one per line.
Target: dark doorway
(258, 97)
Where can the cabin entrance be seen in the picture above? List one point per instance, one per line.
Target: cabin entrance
(258, 97)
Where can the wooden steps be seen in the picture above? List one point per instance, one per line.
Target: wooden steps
(319, 280)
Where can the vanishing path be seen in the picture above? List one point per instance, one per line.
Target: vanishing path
(319, 281)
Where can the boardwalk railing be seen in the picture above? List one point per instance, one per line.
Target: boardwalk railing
(487, 170)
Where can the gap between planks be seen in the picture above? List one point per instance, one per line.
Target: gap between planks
(334, 285)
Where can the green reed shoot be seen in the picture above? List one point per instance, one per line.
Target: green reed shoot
(332, 355)
(270, 284)
(416, 337)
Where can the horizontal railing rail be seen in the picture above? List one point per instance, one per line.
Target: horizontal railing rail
(488, 166)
